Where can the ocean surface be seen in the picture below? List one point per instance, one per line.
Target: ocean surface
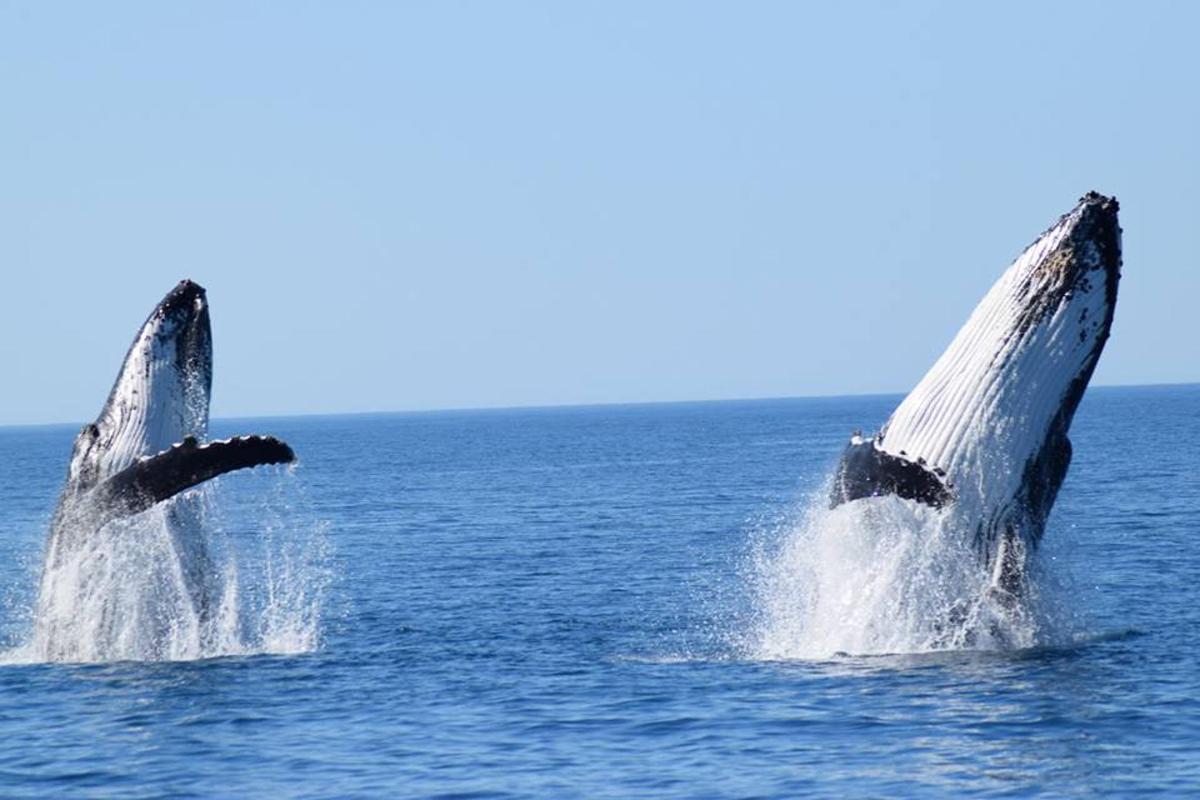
(622, 601)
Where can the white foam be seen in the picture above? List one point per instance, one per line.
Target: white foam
(124, 592)
(882, 576)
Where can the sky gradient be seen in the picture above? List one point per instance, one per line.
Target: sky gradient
(432, 205)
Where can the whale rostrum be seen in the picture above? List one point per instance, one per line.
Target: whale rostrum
(983, 436)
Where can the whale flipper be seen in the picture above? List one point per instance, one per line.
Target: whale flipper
(152, 479)
(868, 471)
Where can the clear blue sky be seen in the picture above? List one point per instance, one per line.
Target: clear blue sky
(401, 206)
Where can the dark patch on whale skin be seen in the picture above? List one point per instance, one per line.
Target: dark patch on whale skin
(867, 471)
(193, 349)
(1068, 269)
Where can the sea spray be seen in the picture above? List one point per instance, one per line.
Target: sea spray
(294, 580)
(131, 591)
(879, 576)
(282, 557)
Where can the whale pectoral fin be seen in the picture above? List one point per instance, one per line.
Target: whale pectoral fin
(867, 471)
(155, 478)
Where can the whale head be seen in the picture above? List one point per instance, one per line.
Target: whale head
(985, 431)
(161, 394)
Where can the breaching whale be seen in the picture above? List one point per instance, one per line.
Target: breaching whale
(983, 436)
(145, 447)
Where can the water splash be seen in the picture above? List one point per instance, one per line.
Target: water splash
(205, 574)
(885, 576)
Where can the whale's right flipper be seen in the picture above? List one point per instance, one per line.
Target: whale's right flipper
(155, 478)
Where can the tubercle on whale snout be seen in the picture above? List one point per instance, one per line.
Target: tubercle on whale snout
(1091, 246)
(187, 301)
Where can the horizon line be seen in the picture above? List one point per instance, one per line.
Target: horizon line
(550, 406)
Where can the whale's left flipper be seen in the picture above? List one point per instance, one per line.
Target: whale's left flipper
(868, 471)
(155, 478)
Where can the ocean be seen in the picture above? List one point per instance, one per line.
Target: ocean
(624, 601)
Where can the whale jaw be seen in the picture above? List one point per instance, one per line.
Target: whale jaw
(984, 433)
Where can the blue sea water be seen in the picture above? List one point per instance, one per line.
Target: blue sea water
(567, 602)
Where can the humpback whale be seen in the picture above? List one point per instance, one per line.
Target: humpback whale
(146, 446)
(983, 436)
